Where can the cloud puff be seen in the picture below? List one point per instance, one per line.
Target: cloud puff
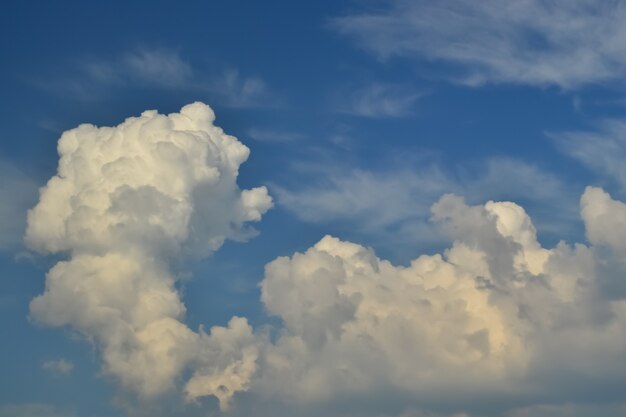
(494, 316)
(126, 201)
(528, 42)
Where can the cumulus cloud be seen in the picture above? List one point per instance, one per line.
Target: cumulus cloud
(527, 42)
(494, 316)
(125, 203)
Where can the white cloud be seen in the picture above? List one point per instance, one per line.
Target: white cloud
(567, 44)
(58, 366)
(379, 101)
(126, 201)
(494, 316)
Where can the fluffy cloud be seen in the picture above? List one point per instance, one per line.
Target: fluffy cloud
(530, 42)
(494, 316)
(127, 200)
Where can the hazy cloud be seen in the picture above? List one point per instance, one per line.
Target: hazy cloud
(379, 101)
(93, 78)
(602, 150)
(394, 203)
(58, 366)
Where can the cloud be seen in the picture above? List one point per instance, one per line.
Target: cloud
(234, 90)
(126, 202)
(380, 101)
(523, 42)
(160, 67)
(58, 366)
(495, 316)
(602, 150)
(393, 203)
(91, 79)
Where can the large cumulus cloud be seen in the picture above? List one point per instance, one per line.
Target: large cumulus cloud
(495, 316)
(126, 201)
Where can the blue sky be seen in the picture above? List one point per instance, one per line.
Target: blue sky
(362, 119)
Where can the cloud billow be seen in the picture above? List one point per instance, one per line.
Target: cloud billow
(125, 202)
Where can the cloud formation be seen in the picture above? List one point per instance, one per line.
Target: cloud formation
(90, 79)
(394, 203)
(127, 201)
(494, 316)
(524, 42)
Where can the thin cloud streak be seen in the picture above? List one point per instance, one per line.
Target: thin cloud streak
(565, 44)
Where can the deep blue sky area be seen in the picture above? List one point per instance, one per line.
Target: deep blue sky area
(359, 116)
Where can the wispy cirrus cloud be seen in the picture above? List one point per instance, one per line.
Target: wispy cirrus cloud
(92, 78)
(602, 150)
(566, 44)
(394, 201)
(379, 100)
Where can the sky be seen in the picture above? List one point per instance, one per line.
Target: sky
(359, 208)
